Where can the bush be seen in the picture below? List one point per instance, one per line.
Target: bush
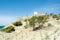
(18, 23)
(49, 24)
(32, 21)
(8, 29)
(38, 19)
(42, 19)
(54, 16)
(57, 18)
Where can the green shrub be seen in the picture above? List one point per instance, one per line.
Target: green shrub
(38, 19)
(55, 16)
(18, 23)
(8, 29)
(42, 19)
(32, 21)
(49, 24)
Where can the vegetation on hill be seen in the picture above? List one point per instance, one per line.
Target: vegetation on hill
(18, 23)
(40, 19)
(32, 22)
(57, 16)
(8, 29)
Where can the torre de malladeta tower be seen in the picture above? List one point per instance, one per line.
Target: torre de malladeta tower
(35, 13)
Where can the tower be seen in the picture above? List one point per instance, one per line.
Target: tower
(35, 13)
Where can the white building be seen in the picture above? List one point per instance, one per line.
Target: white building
(35, 13)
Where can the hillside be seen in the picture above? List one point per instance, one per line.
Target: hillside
(36, 27)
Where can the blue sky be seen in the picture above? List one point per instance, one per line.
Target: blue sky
(12, 9)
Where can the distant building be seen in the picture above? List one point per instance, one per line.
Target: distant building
(35, 13)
